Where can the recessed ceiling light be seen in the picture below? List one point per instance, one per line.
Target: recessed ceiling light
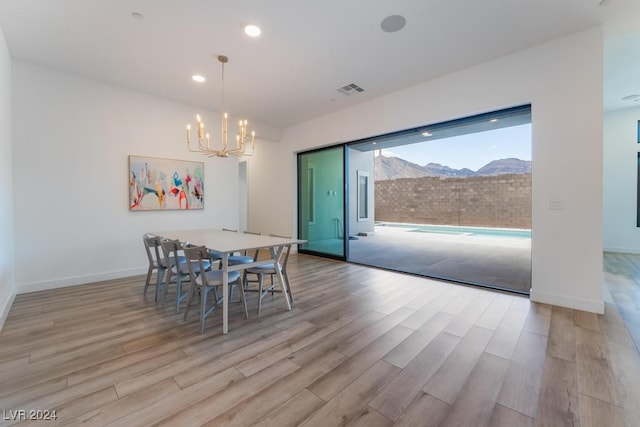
(493, 120)
(198, 78)
(137, 15)
(393, 23)
(427, 134)
(252, 30)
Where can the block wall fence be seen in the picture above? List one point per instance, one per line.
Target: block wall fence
(484, 201)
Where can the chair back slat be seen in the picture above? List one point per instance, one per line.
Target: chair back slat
(196, 254)
(152, 245)
(170, 249)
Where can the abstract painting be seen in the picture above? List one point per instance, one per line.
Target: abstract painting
(165, 184)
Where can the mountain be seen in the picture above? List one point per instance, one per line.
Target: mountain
(439, 170)
(501, 166)
(395, 167)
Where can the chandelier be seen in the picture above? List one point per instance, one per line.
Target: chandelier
(204, 139)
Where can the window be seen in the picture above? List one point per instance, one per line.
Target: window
(363, 196)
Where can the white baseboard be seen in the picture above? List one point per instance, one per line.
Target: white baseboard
(635, 251)
(78, 280)
(4, 311)
(564, 301)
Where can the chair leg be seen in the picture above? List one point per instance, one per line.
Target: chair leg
(178, 293)
(231, 288)
(148, 280)
(244, 300)
(260, 295)
(272, 287)
(160, 278)
(189, 299)
(165, 288)
(203, 307)
(245, 281)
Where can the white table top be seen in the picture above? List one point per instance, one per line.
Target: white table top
(226, 241)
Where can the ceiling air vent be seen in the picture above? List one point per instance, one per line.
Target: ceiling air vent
(351, 89)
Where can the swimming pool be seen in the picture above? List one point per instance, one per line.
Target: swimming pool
(515, 233)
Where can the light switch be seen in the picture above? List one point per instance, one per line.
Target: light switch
(556, 205)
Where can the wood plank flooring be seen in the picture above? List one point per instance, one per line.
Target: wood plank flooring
(361, 347)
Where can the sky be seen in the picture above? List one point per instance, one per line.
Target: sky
(469, 151)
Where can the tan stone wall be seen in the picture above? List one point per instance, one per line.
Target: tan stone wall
(483, 201)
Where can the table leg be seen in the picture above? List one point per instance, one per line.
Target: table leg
(276, 255)
(225, 292)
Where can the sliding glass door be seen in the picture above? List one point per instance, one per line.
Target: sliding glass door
(321, 209)
(448, 200)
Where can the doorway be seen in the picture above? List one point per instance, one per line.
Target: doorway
(449, 200)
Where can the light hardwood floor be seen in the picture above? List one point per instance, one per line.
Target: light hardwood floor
(361, 347)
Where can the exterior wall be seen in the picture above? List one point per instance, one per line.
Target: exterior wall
(484, 201)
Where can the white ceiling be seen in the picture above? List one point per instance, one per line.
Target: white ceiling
(307, 50)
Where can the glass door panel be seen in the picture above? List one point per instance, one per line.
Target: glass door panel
(321, 201)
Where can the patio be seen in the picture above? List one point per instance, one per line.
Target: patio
(494, 261)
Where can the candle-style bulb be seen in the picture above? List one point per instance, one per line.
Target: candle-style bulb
(200, 129)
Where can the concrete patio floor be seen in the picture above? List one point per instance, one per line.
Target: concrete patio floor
(493, 261)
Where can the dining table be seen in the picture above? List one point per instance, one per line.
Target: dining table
(229, 242)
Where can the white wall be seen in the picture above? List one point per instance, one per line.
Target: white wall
(72, 141)
(263, 186)
(7, 286)
(620, 233)
(563, 82)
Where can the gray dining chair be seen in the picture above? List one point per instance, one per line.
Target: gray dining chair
(207, 280)
(157, 262)
(269, 269)
(178, 268)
